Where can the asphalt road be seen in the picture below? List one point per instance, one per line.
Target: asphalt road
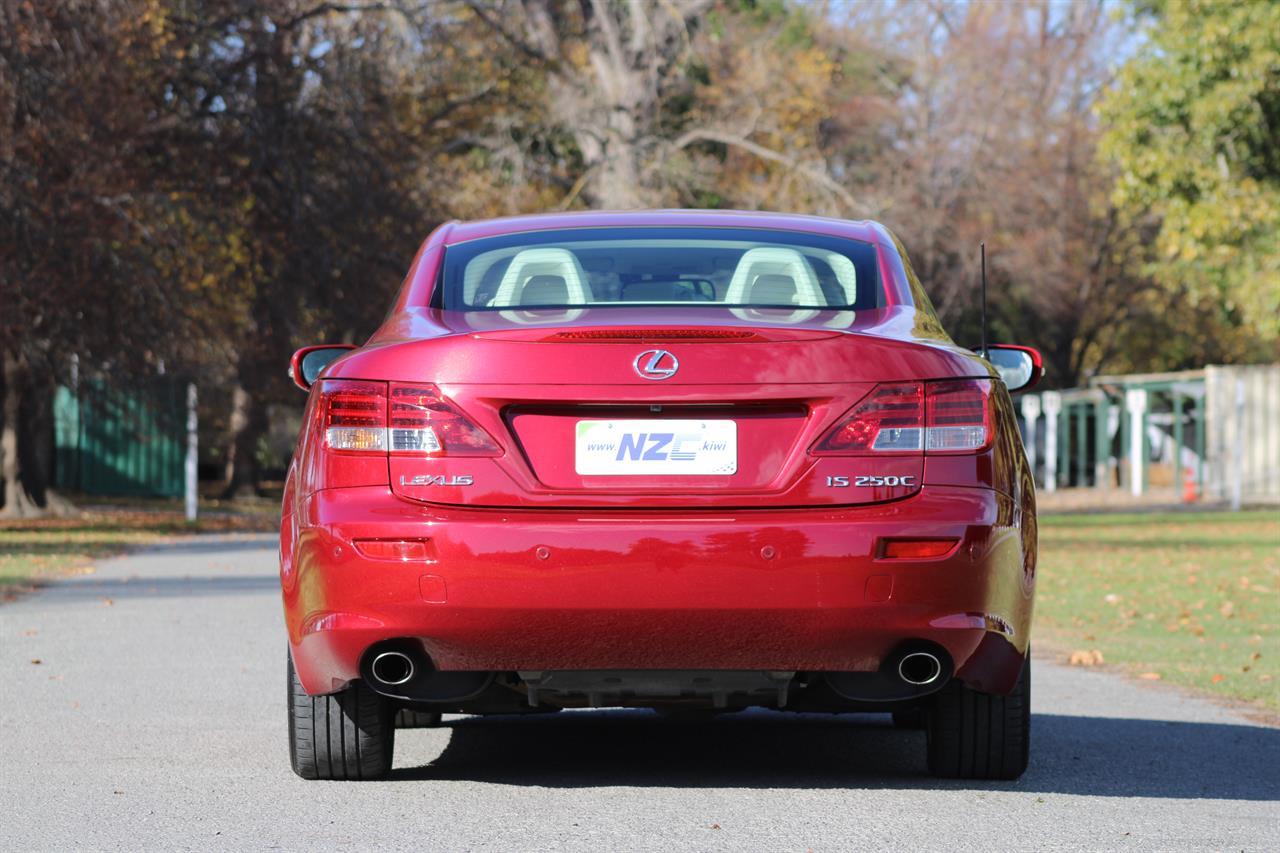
(155, 718)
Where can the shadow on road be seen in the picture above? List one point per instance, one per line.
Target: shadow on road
(215, 544)
(1092, 756)
(182, 586)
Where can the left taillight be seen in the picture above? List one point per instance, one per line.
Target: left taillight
(423, 421)
(353, 415)
(366, 417)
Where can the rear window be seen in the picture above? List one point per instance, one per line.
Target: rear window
(743, 268)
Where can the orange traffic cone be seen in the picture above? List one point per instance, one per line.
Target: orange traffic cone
(1189, 495)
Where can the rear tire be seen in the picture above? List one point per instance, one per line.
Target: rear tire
(408, 718)
(974, 735)
(345, 735)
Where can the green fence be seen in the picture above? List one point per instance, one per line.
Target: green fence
(121, 441)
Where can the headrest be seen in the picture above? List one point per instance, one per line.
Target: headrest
(545, 290)
(772, 289)
(769, 263)
(532, 264)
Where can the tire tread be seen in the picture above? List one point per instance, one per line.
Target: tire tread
(345, 735)
(974, 735)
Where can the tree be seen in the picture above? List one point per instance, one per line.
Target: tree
(76, 236)
(1193, 126)
(312, 123)
(636, 94)
(992, 139)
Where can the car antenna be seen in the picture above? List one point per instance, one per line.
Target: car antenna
(982, 248)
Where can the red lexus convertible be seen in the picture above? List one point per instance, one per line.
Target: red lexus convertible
(692, 461)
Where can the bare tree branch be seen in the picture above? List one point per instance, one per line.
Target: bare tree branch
(817, 176)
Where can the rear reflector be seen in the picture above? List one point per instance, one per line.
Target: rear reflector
(393, 549)
(950, 416)
(906, 549)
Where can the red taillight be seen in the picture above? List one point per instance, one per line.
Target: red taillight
(653, 335)
(354, 415)
(957, 416)
(905, 549)
(950, 416)
(890, 419)
(361, 417)
(422, 421)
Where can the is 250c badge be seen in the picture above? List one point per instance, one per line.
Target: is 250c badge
(870, 481)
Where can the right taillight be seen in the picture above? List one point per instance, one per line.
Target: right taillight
(888, 420)
(949, 416)
(957, 416)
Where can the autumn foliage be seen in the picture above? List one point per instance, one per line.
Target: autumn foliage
(206, 185)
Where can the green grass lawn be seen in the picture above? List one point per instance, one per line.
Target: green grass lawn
(1193, 597)
(1190, 597)
(36, 549)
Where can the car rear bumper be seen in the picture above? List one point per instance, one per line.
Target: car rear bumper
(794, 589)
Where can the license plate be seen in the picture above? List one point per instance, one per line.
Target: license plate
(656, 447)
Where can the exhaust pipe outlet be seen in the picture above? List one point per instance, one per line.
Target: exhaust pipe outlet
(393, 668)
(919, 668)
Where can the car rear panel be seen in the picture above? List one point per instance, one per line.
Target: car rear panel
(756, 590)
(532, 389)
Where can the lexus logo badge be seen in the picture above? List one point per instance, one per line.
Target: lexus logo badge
(656, 364)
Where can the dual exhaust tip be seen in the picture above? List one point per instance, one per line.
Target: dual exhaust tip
(392, 668)
(919, 669)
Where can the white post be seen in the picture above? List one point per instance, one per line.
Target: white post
(1237, 452)
(193, 440)
(1052, 403)
(1031, 416)
(1114, 414)
(1135, 400)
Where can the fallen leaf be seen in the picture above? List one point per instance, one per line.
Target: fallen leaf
(1227, 609)
(1111, 598)
(1217, 678)
(30, 632)
(36, 661)
(1150, 676)
(1085, 657)
(107, 602)
(715, 826)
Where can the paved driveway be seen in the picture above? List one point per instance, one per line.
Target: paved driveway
(155, 719)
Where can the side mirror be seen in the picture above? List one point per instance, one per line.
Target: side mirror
(307, 362)
(1019, 367)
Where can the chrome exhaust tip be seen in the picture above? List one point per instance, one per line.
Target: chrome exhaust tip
(392, 668)
(919, 668)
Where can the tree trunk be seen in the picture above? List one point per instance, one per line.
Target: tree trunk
(248, 422)
(17, 502)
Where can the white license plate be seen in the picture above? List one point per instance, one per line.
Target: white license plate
(683, 447)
